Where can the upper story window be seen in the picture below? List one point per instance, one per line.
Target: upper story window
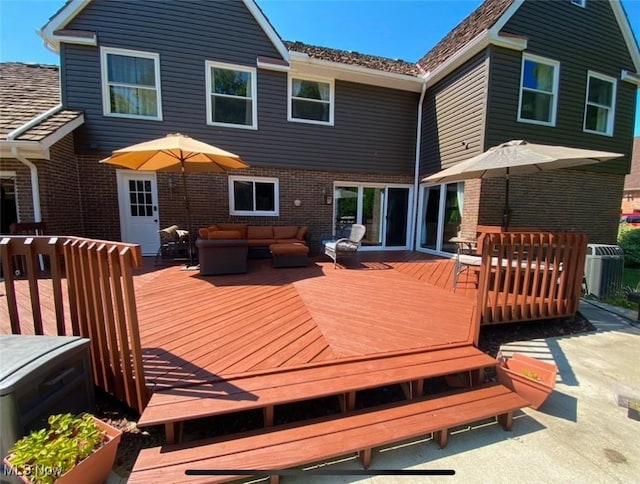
(599, 110)
(538, 90)
(254, 196)
(131, 84)
(311, 100)
(231, 95)
(579, 3)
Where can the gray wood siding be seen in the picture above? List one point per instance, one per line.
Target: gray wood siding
(374, 127)
(454, 111)
(581, 39)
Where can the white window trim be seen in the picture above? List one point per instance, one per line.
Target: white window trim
(555, 93)
(254, 93)
(579, 3)
(106, 101)
(257, 213)
(610, 119)
(332, 91)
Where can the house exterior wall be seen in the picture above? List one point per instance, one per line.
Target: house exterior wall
(631, 197)
(453, 113)
(557, 200)
(374, 128)
(60, 190)
(581, 39)
(209, 199)
(599, 47)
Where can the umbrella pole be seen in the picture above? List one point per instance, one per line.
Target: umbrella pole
(186, 203)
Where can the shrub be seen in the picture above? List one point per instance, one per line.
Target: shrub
(629, 241)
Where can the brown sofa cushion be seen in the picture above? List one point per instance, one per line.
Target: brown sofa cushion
(224, 234)
(203, 233)
(260, 232)
(302, 233)
(242, 228)
(285, 232)
(291, 241)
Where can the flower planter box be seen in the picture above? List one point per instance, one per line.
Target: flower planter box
(532, 379)
(95, 469)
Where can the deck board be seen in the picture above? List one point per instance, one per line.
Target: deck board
(196, 329)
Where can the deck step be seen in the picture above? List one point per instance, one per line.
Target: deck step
(293, 445)
(173, 406)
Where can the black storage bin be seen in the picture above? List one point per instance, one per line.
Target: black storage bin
(41, 376)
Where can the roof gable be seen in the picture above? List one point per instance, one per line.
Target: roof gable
(491, 16)
(53, 31)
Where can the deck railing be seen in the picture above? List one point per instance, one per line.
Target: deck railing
(100, 302)
(530, 275)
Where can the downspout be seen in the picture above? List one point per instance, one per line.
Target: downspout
(35, 184)
(416, 173)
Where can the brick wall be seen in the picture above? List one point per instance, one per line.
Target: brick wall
(209, 199)
(631, 201)
(557, 200)
(59, 193)
(98, 198)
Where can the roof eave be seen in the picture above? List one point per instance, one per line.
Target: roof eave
(59, 21)
(627, 33)
(302, 63)
(62, 131)
(267, 28)
(632, 77)
(29, 149)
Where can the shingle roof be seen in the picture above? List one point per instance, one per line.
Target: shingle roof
(395, 66)
(26, 91)
(632, 180)
(480, 19)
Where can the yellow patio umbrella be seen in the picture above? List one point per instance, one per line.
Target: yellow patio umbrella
(177, 153)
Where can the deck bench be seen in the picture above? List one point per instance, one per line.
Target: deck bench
(360, 431)
(175, 405)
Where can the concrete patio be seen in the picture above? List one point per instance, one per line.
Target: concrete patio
(579, 435)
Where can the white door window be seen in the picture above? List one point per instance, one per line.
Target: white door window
(138, 199)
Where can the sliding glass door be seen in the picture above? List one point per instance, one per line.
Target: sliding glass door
(383, 209)
(440, 209)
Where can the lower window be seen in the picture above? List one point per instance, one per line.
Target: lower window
(253, 196)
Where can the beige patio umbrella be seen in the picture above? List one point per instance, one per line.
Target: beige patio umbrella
(518, 157)
(177, 153)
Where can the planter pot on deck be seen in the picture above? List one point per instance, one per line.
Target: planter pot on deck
(94, 469)
(532, 379)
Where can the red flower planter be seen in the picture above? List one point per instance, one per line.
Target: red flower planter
(532, 379)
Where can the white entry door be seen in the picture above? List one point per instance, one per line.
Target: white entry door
(138, 200)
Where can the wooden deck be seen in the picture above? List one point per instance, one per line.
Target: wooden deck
(196, 329)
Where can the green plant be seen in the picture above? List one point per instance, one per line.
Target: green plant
(66, 442)
(629, 241)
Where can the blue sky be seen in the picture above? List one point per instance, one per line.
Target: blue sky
(400, 29)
